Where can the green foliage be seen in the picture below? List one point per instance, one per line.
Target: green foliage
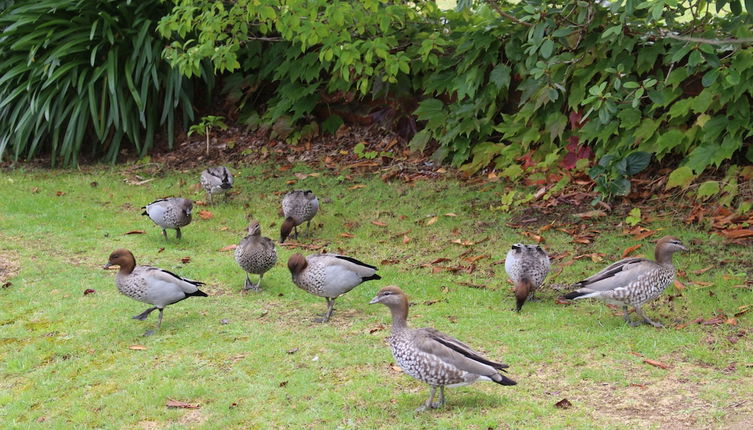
(494, 80)
(612, 173)
(634, 217)
(206, 124)
(85, 76)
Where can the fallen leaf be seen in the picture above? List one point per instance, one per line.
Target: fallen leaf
(137, 347)
(655, 363)
(60, 193)
(406, 239)
(228, 248)
(185, 260)
(135, 232)
(702, 271)
(476, 258)
(564, 404)
(440, 260)
(283, 383)
(379, 223)
(35, 190)
(181, 405)
(89, 291)
(535, 237)
(389, 261)
(629, 250)
(205, 214)
(347, 235)
(432, 220)
(679, 285)
(591, 214)
(561, 301)
(301, 175)
(450, 214)
(357, 186)
(737, 234)
(292, 351)
(731, 321)
(373, 330)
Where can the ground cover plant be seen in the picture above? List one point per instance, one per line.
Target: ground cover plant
(233, 360)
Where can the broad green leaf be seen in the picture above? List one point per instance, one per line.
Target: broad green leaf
(708, 189)
(681, 177)
(637, 162)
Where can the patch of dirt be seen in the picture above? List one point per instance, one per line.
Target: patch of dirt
(194, 416)
(672, 402)
(9, 266)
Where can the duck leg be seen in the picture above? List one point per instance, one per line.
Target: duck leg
(177, 233)
(250, 285)
(295, 232)
(164, 233)
(308, 226)
(328, 314)
(440, 403)
(639, 311)
(430, 402)
(142, 316)
(159, 324)
(627, 315)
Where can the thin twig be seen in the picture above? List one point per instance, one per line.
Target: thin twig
(495, 6)
(669, 35)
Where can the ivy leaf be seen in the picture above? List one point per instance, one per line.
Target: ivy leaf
(636, 162)
(680, 177)
(708, 189)
(500, 76)
(419, 141)
(710, 77)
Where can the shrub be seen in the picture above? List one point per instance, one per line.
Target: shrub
(86, 75)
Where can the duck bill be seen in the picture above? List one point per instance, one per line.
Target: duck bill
(374, 300)
(107, 266)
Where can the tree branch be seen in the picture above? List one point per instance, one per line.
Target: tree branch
(668, 35)
(495, 6)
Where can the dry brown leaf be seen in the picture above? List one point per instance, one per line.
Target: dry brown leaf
(679, 285)
(137, 347)
(185, 260)
(301, 175)
(564, 404)
(432, 220)
(629, 250)
(357, 186)
(347, 235)
(737, 234)
(406, 239)
(450, 214)
(702, 271)
(182, 405)
(535, 237)
(440, 260)
(591, 214)
(731, 321)
(205, 214)
(655, 363)
(379, 223)
(476, 258)
(135, 232)
(227, 248)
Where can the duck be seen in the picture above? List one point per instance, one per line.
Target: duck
(329, 276)
(255, 254)
(216, 180)
(172, 212)
(632, 281)
(527, 267)
(298, 206)
(433, 357)
(150, 285)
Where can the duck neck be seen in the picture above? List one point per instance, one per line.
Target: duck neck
(399, 316)
(126, 268)
(663, 257)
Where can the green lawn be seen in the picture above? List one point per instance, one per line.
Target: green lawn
(66, 359)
